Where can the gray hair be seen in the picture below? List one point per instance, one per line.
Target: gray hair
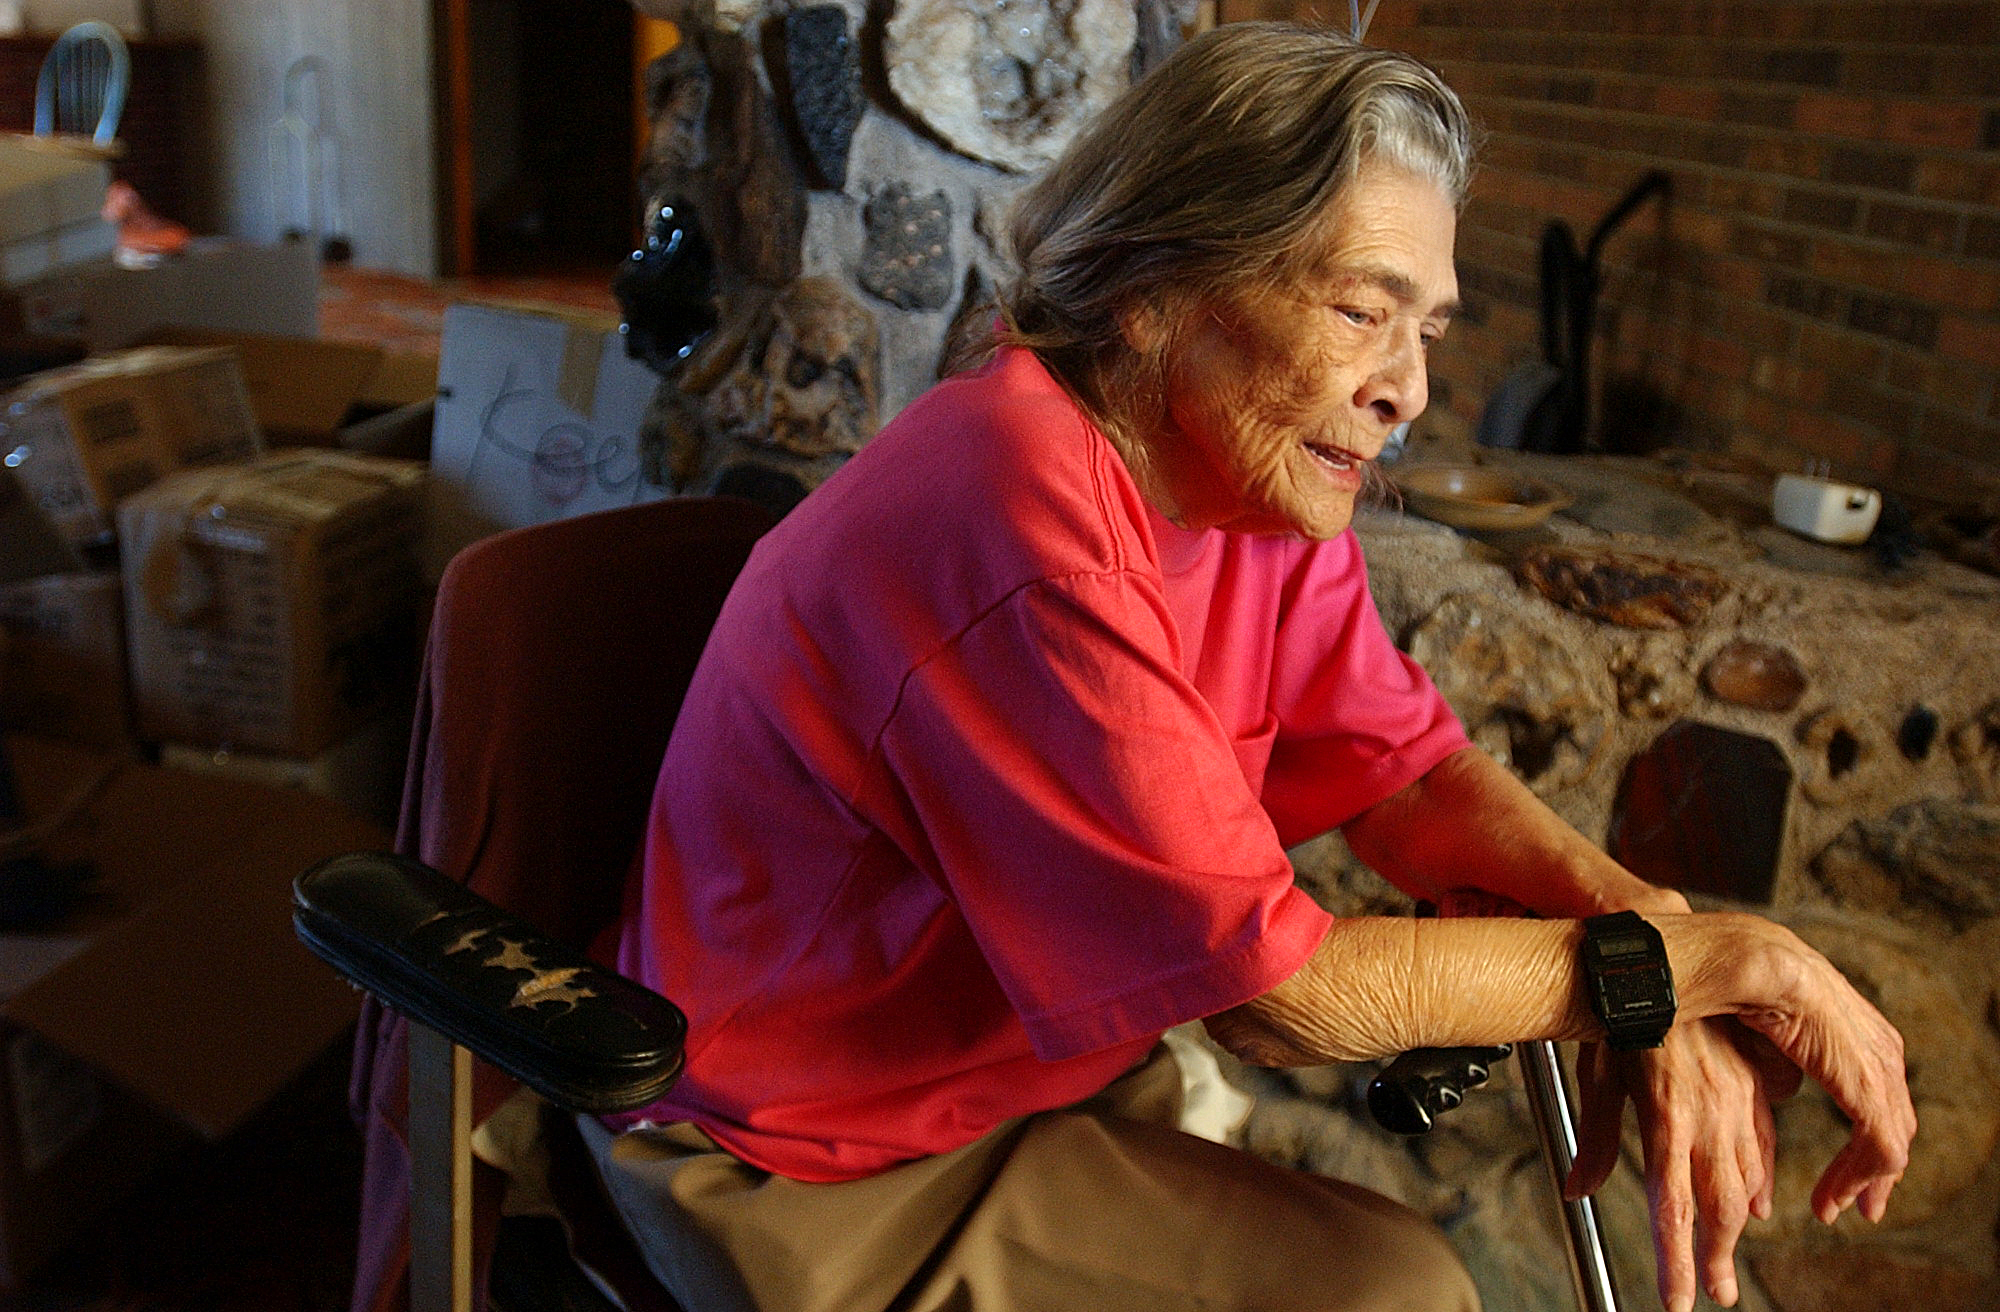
(1210, 175)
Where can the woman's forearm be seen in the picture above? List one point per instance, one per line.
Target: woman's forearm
(1469, 823)
(1377, 986)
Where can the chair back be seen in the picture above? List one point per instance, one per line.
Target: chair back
(83, 84)
(558, 658)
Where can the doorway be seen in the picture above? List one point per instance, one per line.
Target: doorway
(538, 136)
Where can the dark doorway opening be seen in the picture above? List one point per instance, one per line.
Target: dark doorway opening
(543, 135)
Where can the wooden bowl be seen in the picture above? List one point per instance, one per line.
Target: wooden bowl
(1475, 497)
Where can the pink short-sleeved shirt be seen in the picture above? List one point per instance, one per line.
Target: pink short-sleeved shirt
(986, 778)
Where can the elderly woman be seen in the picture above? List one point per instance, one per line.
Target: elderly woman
(988, 774)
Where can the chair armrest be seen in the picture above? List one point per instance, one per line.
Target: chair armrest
(581, 1036)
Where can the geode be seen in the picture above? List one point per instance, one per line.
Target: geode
(1011, 82)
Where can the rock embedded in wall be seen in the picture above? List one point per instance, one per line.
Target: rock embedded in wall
(791, 383)
(1009, 82)
(1975, 746)
(805, 382)
(1760, 675)
(1917, 732)
(1622, 588)
(1522, 691)
(822, 66)
(906, 256)
(1846, 759)
(1929, 862)
(1653, 680)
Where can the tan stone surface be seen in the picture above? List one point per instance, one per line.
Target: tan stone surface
(1823, 1278)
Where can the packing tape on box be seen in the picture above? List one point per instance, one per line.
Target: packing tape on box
(577, 384)
(177, 583)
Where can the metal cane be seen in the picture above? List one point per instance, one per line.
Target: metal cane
(1413, 1090)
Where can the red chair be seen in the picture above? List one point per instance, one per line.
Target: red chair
(557, 661)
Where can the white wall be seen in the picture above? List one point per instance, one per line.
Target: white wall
(378, 58)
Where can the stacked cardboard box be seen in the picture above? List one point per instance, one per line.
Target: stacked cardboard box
(175, 1003)
(271, 605)
(62, 671)
(83, 437)
(51, 204)
(310, 392)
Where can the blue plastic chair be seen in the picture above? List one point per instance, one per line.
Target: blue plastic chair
(83, 84)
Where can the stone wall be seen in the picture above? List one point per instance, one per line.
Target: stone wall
(1887, 859)
(850, 165)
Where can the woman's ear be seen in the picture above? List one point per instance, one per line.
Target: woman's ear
(1143, 325)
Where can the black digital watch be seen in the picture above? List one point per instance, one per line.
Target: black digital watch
(1631, 984)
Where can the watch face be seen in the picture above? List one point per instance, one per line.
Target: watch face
(1624, 945)
(1634, 990)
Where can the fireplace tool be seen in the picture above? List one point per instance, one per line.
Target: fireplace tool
(1417, 1087)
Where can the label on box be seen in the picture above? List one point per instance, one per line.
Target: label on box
(537, 419)
(56, 1099)
(36, 448)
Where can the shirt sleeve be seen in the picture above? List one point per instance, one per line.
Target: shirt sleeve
(1358, 719)
(1085, 812)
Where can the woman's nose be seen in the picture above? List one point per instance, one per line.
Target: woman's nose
(1399, 388)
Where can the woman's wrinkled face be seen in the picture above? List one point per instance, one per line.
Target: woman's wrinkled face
(1277, 399)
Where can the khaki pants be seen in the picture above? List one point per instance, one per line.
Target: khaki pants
(1100, 1207)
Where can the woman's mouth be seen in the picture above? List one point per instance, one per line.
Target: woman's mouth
(1335, 458)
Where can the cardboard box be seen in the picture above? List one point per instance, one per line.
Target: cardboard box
(217, 284)
(51, 204)
(308, 391)
(29, 543)
(132, 17)
(174, 1003)
(363, 772)
(83, 437)
(62, 670)
(537, 418)
(272, 606)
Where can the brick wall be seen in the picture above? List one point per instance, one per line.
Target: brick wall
(1825, 283)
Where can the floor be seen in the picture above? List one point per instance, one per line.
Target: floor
(403, 313)
(263, 1221)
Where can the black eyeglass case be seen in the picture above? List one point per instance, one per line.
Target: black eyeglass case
(583, 1037)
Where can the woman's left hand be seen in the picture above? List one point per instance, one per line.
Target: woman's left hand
(1704, 1102)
